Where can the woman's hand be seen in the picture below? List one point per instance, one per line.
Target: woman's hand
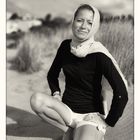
(92, 117)
(57, 96)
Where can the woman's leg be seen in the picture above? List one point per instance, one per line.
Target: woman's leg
(50, 109)
(87, 132)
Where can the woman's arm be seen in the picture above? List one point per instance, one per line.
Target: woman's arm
(120, 95)
(54, 71)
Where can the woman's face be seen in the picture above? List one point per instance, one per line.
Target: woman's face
(82, 24)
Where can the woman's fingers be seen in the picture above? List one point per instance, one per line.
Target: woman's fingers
(96, 119)
(58, 97)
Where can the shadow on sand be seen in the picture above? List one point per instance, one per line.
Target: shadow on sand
(25, 124)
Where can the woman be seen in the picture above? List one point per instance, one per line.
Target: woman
(84, 62)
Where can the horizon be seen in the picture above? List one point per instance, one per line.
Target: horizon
(41, 9)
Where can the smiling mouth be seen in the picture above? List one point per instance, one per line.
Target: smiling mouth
(84, 32)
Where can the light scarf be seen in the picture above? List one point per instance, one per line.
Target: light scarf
(89, 45)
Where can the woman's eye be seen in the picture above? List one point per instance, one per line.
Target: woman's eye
(79, 20)
(90, 23)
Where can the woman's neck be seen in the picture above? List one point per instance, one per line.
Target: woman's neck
(76, 42)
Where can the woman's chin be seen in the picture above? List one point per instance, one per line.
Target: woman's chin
(81, 38)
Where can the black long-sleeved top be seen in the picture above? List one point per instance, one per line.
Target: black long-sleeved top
(83, 82)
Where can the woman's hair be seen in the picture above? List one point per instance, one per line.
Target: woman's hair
(81, 7)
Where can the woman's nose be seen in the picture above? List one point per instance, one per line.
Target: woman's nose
(84, 25)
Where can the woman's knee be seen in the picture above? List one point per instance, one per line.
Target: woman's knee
(38, 100)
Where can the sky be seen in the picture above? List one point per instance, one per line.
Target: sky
(40, 8)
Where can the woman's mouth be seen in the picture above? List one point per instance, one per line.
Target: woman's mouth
(82, 31)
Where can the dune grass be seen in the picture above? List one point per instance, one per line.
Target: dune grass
(118, 38)
(29, 52)
(35, 49)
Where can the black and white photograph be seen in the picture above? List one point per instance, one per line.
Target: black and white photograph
(70, 70)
